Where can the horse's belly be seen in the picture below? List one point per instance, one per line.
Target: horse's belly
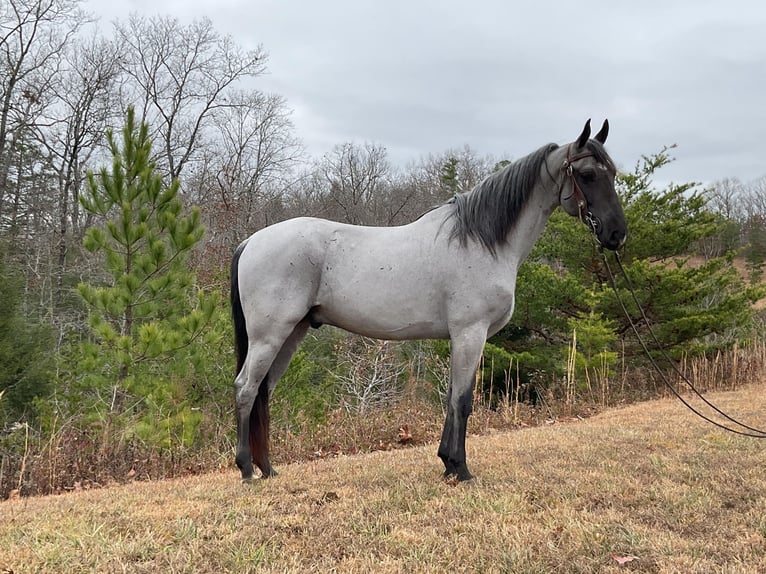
(395, 322)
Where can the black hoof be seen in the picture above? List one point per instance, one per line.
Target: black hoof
(270, 473)
(245, 465)
(458, 472)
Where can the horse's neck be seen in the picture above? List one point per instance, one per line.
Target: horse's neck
(530, 225)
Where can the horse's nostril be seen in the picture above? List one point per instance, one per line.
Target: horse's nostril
(618, 238)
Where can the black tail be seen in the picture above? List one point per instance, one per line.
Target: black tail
(237, 314)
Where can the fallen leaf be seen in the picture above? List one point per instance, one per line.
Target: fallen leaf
(623, 560)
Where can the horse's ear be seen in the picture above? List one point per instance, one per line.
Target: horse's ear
(583, 139)
(601, 135)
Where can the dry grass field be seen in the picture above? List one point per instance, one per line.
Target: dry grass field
(646, 488)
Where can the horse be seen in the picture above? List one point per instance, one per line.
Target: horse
(450, 274)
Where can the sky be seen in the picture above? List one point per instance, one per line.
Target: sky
(420, 77)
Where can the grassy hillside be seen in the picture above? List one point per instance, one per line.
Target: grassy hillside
(648, 485)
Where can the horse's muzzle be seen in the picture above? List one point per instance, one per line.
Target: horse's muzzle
(615, 240)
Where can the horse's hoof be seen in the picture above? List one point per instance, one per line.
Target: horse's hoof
(455, 473)
(268, 473)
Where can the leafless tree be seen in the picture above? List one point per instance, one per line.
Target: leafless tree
(353, 179)
(252, 164)
(453, 171)
(725, 197)
(179, 76)
(369, 373)
(753, 198)
(84, 104)
(33, 35)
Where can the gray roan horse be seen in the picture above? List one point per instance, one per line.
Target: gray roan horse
(449, 274)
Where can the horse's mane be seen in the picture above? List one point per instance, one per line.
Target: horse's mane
(490, 210)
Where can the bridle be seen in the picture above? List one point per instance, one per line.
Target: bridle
(582, 202)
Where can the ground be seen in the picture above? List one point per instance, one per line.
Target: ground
(646, 488)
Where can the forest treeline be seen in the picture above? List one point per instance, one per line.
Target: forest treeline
(133, 160)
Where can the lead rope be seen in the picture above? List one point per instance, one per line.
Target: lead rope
(751, 431)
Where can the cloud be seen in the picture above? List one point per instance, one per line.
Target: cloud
(505, 78)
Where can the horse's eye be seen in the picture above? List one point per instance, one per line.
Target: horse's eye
(588, 175)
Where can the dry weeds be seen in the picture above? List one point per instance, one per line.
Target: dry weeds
(646, 485)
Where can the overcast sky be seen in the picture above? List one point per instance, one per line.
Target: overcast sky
(506, 77)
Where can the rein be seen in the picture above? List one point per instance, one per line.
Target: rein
(743, 429)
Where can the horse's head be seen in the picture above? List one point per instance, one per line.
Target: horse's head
(586, 188)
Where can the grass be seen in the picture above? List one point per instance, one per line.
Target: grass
(648, 485)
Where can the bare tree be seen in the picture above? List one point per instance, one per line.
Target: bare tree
(726, 196)
(753, 198)
(84, 103)
(252, 164)
(33, 35)
(452, 171)
(180, 75)
(354, 179)
(370, 373)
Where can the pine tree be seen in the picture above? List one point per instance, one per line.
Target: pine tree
(448, 178)
(147, 314)
(25, 366)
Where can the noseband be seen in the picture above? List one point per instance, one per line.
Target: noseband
(582, 202)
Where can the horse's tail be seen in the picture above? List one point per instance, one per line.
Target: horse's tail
(237, 314)
(259, 415)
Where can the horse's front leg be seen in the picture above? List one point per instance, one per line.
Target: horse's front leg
(465, 351)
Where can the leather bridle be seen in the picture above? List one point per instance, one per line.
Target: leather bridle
(582, 202)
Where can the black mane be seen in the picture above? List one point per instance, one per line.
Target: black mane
(490, 210)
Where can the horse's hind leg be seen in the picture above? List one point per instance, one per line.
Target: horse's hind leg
(251, 398)
(247, 392)
(282, 361)
(267, 359)
(259, 417)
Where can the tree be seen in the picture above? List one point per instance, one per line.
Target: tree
(247, 174)
(25, 365)
(83, 96)
(33, 34)
(147, 315)
(180, 75)
(726, 200)
(354, 178)
(695, 306)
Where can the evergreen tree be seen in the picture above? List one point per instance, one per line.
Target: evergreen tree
(695, 306)
(147, 314)
(755, 249)
(25, 366)
(450, 183)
